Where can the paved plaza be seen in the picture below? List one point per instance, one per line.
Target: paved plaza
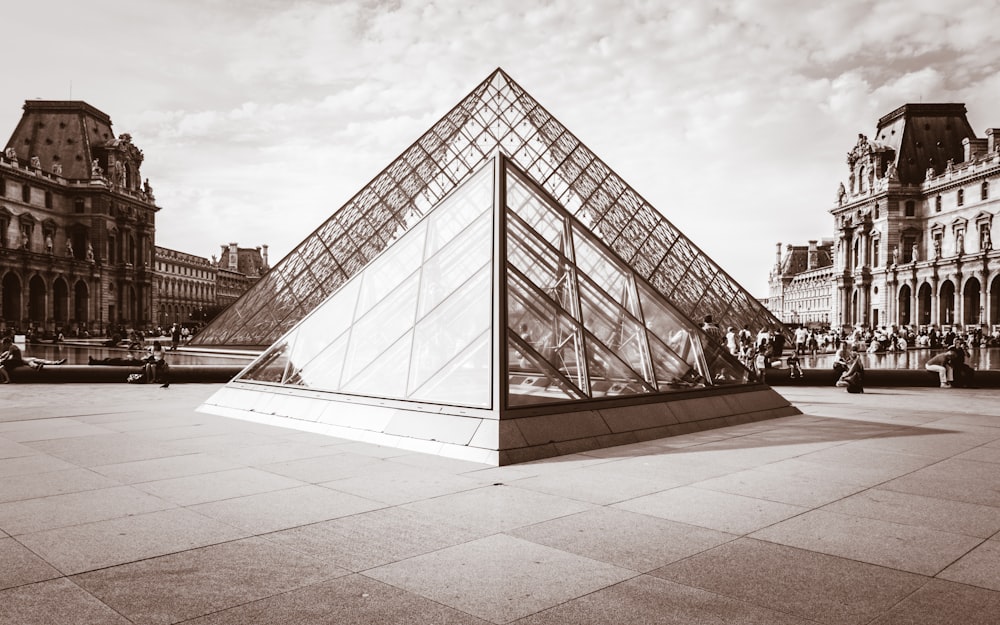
(122, 504)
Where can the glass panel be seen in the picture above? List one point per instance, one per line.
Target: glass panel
(270, 367)
(616, 329)
(533, 210)
(381, 326)
(609, 376)
(386, 375)
(553, 335)
(672, 372)
(459, 210)
(383, 276)
(453, 265)
(465, 381)
(603, 270)
(541, 265)
(327, 322)
(323, 371)
(450, 328)
(531, 379)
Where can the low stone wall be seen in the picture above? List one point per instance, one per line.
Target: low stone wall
(118, 373)
(877, 377)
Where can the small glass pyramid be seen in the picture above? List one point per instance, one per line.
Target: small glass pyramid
(497, 269)
(497, 116)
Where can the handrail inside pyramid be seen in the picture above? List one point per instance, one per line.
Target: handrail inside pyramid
(498, 115)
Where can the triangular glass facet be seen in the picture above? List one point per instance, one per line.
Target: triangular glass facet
(409, 322)
(581, 323)
(498, 115)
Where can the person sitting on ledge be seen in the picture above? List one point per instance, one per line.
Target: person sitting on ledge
(11, 357)
(943, 365)
(851, 372)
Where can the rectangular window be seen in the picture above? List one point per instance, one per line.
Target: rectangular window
(937, 204)
(960, 197)
(907, 252)
(911, 208)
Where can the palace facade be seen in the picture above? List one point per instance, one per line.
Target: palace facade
(799, 284)
(77, 223)
(913, 225)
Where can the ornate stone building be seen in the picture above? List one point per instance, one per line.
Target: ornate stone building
(799, 284)
(185, 287)
(77, 224)
(914, 223)
(239, 268)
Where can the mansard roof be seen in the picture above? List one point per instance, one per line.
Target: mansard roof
(924, 136)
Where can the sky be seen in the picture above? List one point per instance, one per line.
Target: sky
(260, 118)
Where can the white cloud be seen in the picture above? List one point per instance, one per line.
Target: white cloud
(259, 118)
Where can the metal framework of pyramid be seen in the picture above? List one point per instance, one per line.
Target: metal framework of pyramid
(497, 328)
(498, 115)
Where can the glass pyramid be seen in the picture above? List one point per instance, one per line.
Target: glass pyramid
(497, 116)
(497, 263)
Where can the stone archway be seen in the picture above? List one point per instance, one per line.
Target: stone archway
(946, 303)
(37, 297)
(60, 301)
(903, 316)
(924, 296)
(81, 303)
(994, 300)
(12, 299)
(970, 302)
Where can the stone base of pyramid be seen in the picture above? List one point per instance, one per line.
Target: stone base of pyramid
(514, 436)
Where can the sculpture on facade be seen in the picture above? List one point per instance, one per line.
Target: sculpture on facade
(11, 155)
(891, 173)
(48, 243)
(119, 173)
(95, 170)
(937, 248)
(90, 252)
(36, 163)
(987, 242)
(914, 253)
(895, 254)
(69, 248)
(960, 243)
(841, 192)
(57, 169)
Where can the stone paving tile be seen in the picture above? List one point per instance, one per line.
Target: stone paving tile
(35, 485)
(947, 483)
(724, 512)
(797, 490)
(364, 541)
(500, 578)
(326, 468)
(55, 601)
(810, 585)
(103, 449)
(32, 464)
(19, 566)
(945, 603)
(496, 508)
(904, 547)
(164, 468)
(984, 453)
(282, 509)
(194, 583)
(353, 599)
(10, 449)
(91, 546)
(930, 512)
(980, 567)
(634, 541)
(589, 484)
(654, 601)
(216, 486)
(36, 515)
(396, 484)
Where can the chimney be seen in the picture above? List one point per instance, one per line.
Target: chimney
(263, 255)
(991, 139)
(234, 257)
(777, 257)
(812, 260)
